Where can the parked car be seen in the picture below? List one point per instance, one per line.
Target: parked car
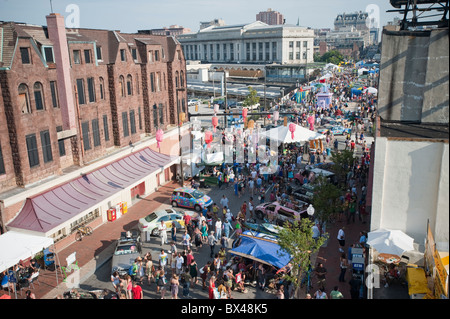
(192, 102)
(336, 130)
(128, 248)
(304, 193)
(190, 198)
(151, 222)
(279, 214)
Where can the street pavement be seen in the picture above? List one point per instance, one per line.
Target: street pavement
(93, 253)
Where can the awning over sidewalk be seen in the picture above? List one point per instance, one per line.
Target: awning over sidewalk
(48, 210)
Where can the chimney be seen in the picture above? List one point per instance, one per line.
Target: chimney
(57, 34)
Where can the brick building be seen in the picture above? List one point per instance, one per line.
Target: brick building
(72, 100)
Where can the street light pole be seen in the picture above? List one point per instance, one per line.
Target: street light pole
(179, 138)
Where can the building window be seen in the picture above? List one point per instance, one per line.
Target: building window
(254, 51)
(54, 93)
(24, 99)
(101, 83)
(150, 56)
(105, 127)
(297, 55)
(140, 118)
(87, 56)
(76, 57)
(161, 113)
(126, 130)
(181, 78)
(91, 89)
(38, 96)
(134, 53)
(291, 44)
(129, 85)
(297, 44)
(80, 91)
(95, 132)
(2, 163)
(158, 82)
(48, 52)
(46, 146)
(123, 55)
(132, 122)
(267, 51)
(260, 51)
(122, 86)
(152, 82)
(217, 51)
(156, 55)
(61, 146)
(231, 52)
(85, 133)
(33, 155)
(25, 54)
(155, 116)
(98, 50)
(291, 55)
(274, 51)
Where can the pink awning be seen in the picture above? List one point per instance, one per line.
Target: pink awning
(46, 211)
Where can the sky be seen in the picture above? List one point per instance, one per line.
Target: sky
(132, 15)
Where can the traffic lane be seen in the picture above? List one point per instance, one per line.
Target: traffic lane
(101, 279)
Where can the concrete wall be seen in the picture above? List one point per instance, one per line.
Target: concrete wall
(414, 76)
(411, 186)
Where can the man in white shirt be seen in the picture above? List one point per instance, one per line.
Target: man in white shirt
(315, 232)
(224, 201)
(179, 264)
(162, 228)
(218, 228)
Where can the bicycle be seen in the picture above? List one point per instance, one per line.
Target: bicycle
(307, 280)
(83, 231)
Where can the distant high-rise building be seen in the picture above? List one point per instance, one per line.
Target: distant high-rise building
(270, 17)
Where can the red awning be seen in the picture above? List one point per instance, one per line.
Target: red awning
(44, 212)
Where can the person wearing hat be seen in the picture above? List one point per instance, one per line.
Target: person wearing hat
(212, 242)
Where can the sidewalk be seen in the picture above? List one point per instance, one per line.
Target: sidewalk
(96, 249)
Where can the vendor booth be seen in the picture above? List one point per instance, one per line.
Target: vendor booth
(324, 99)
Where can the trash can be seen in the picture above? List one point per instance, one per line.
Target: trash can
(328, 151)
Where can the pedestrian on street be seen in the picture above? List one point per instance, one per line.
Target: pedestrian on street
(321, 272)
(174, 232)
(343, 265)
(227, 227)
(341, 239)
(163, 259)
(186, 240)
(336, 294)
(174, 284)
(204, 231)
(212, 243)
(224, 201)
(162, 283)
(162, 228)
(137, 291)
(218, 227)
(355, 285)
(185, 281)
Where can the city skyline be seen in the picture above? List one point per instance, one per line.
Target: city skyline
(188, 14)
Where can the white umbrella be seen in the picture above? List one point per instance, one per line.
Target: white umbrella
(282, 134)
(371, 90)
(390, 241)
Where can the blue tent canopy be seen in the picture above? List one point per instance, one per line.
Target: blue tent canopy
(262, 250)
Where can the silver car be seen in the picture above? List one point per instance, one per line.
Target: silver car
(126, 252)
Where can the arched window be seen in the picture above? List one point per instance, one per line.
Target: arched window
(176, 79)
(129, 85)
(39, 96)
(181, 78)
(122, 86)
(101, 83)
(24, 99)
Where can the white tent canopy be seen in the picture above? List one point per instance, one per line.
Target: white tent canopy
(16, 246)
(370, 90)
(282, 134)
(390, 241)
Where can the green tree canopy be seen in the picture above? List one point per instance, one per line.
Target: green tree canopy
(326, 200)
(343, 162)
(252, 98)
(296, 240)
(332, 56)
